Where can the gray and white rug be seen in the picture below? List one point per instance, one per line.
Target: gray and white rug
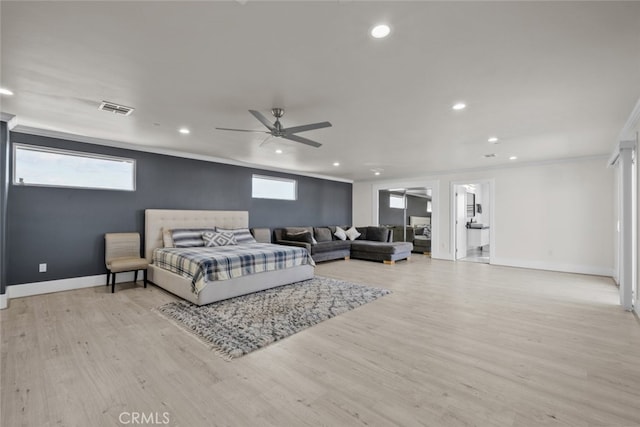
(240, 325)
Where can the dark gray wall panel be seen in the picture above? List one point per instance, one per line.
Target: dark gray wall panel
(65, 227)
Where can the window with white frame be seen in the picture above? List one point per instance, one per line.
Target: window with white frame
(396, 201)
(53, 167)
(269, 187)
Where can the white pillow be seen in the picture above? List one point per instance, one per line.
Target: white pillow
(352, 233)
(340, 234)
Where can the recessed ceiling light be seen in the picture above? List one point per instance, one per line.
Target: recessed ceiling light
(376, 173)
(459, 106)
(380, 31)
(513, 158)
(336, 164)
(4, 91)
(278, 151)
(184, 131)
(493, 139)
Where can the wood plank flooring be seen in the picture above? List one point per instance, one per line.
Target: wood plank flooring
(455, 344)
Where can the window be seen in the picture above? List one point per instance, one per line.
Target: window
(268, 187)
(428, 205)
(52, 167)
(396, 201)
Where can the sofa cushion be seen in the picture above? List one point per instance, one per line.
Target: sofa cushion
(363, 233)
(377, 234)
(298, 229)
(334, 245)
(299, 236)
(381, 247)
(322, 234)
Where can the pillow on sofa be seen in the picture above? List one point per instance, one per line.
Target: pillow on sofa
(218, 238)
(352, 233)
(340, 234)
(427, 231)
(299, 236)
(377, 234)
(322, 234)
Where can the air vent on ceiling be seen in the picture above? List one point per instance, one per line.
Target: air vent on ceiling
(115, 108)
(490, 155)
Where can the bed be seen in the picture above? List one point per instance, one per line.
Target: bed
(228, 286)
(419, 221)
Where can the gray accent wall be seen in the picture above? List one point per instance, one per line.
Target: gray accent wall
(65, 227)
(4, 187)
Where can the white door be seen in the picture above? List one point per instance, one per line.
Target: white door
(461, 222)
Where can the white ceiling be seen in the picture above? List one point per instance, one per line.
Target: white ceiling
(551, 80)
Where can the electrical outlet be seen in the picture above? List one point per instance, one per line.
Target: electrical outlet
(42, 268)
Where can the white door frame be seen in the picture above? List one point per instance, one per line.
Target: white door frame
(492, 215)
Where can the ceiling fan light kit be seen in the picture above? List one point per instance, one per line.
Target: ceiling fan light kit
(276, 129)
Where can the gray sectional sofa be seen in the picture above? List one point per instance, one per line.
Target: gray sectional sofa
(374, 243)
(420, 237)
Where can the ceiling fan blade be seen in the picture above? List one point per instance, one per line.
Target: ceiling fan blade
(304, 128)
(258, 115)
(302, 140)
(265, 141)
(244, 130)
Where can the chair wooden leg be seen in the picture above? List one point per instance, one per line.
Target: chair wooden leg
(135, 276)
(113, 282)
(145, 277)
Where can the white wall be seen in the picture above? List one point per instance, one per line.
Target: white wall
(555, 216)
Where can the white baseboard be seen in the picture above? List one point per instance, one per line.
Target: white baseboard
(37, 288)
(550, 266)
(3, 301)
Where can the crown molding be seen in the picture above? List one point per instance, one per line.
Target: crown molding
(165, 151)
(622, 145)
(628, 131)
(10, 119)
(516, 165)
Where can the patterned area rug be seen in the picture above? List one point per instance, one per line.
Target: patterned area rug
(238, 326)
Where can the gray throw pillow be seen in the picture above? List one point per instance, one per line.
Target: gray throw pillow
(322, 234)
(299, 236)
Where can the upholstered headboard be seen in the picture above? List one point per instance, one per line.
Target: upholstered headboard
(419, 221)
(157, 219)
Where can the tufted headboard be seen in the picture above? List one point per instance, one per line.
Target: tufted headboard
(157, 219)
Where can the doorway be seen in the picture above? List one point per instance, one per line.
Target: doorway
(408, 213)
(472, 221)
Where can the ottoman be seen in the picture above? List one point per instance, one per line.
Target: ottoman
(387, 252)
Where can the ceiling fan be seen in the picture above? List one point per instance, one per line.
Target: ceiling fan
(278, 131)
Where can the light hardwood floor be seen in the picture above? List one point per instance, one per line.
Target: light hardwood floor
(455, 344)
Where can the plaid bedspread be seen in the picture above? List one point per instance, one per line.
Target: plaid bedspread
(204, 265)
